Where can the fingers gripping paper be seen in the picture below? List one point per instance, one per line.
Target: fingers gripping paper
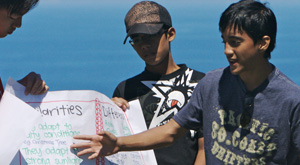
(56, 117)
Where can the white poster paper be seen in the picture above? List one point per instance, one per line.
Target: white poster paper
(138, 125)
(16, 120)
(62, 115)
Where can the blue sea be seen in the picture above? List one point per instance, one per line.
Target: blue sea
(78, 45)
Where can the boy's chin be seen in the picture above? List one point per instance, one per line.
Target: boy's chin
(234, 71)
(3, 35)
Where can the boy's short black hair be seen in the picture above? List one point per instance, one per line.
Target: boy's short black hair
(18, 6)
(254, 18)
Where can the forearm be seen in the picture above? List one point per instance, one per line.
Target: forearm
(200, 159)
(154, 138)
(105, 143)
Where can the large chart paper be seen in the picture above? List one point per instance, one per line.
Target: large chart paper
(138, 124)
(65, 114)
(14, 125)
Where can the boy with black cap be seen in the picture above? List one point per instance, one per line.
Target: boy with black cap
(249, 111)
(164, 87)
(11, 13)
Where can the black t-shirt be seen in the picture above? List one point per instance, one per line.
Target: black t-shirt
(161, 97)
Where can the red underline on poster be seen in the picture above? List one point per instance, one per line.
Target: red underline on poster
(133, 133)
(83, 101)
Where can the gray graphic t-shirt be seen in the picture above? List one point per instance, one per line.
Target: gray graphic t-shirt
(241, 127)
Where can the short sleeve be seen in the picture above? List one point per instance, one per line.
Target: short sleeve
(190, 117)
(295, 128)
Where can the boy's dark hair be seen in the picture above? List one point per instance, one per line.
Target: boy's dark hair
(18, 6)
(252, 17)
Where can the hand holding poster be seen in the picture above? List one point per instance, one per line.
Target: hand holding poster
(64, 114)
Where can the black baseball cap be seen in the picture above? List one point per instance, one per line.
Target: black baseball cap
(146, 17)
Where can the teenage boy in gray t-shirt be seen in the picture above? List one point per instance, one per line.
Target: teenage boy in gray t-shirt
(249, 111)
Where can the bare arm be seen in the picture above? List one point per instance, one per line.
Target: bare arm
(105, 143)
(200, 159)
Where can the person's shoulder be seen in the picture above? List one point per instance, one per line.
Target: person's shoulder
(283, 87)
(217, 73)
(196, 75)
(134, 79)
(283, 81)
(211, 79)
(129, 84)
(196, 72)
(285, 90)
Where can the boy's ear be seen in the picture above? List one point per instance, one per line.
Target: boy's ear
(171, 34)
(264, 43)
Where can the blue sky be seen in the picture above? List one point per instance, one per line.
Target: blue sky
(79, 44)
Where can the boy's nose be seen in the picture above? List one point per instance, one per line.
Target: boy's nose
(18, 23)
(228, 50)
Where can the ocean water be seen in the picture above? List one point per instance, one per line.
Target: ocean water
(78, 45)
